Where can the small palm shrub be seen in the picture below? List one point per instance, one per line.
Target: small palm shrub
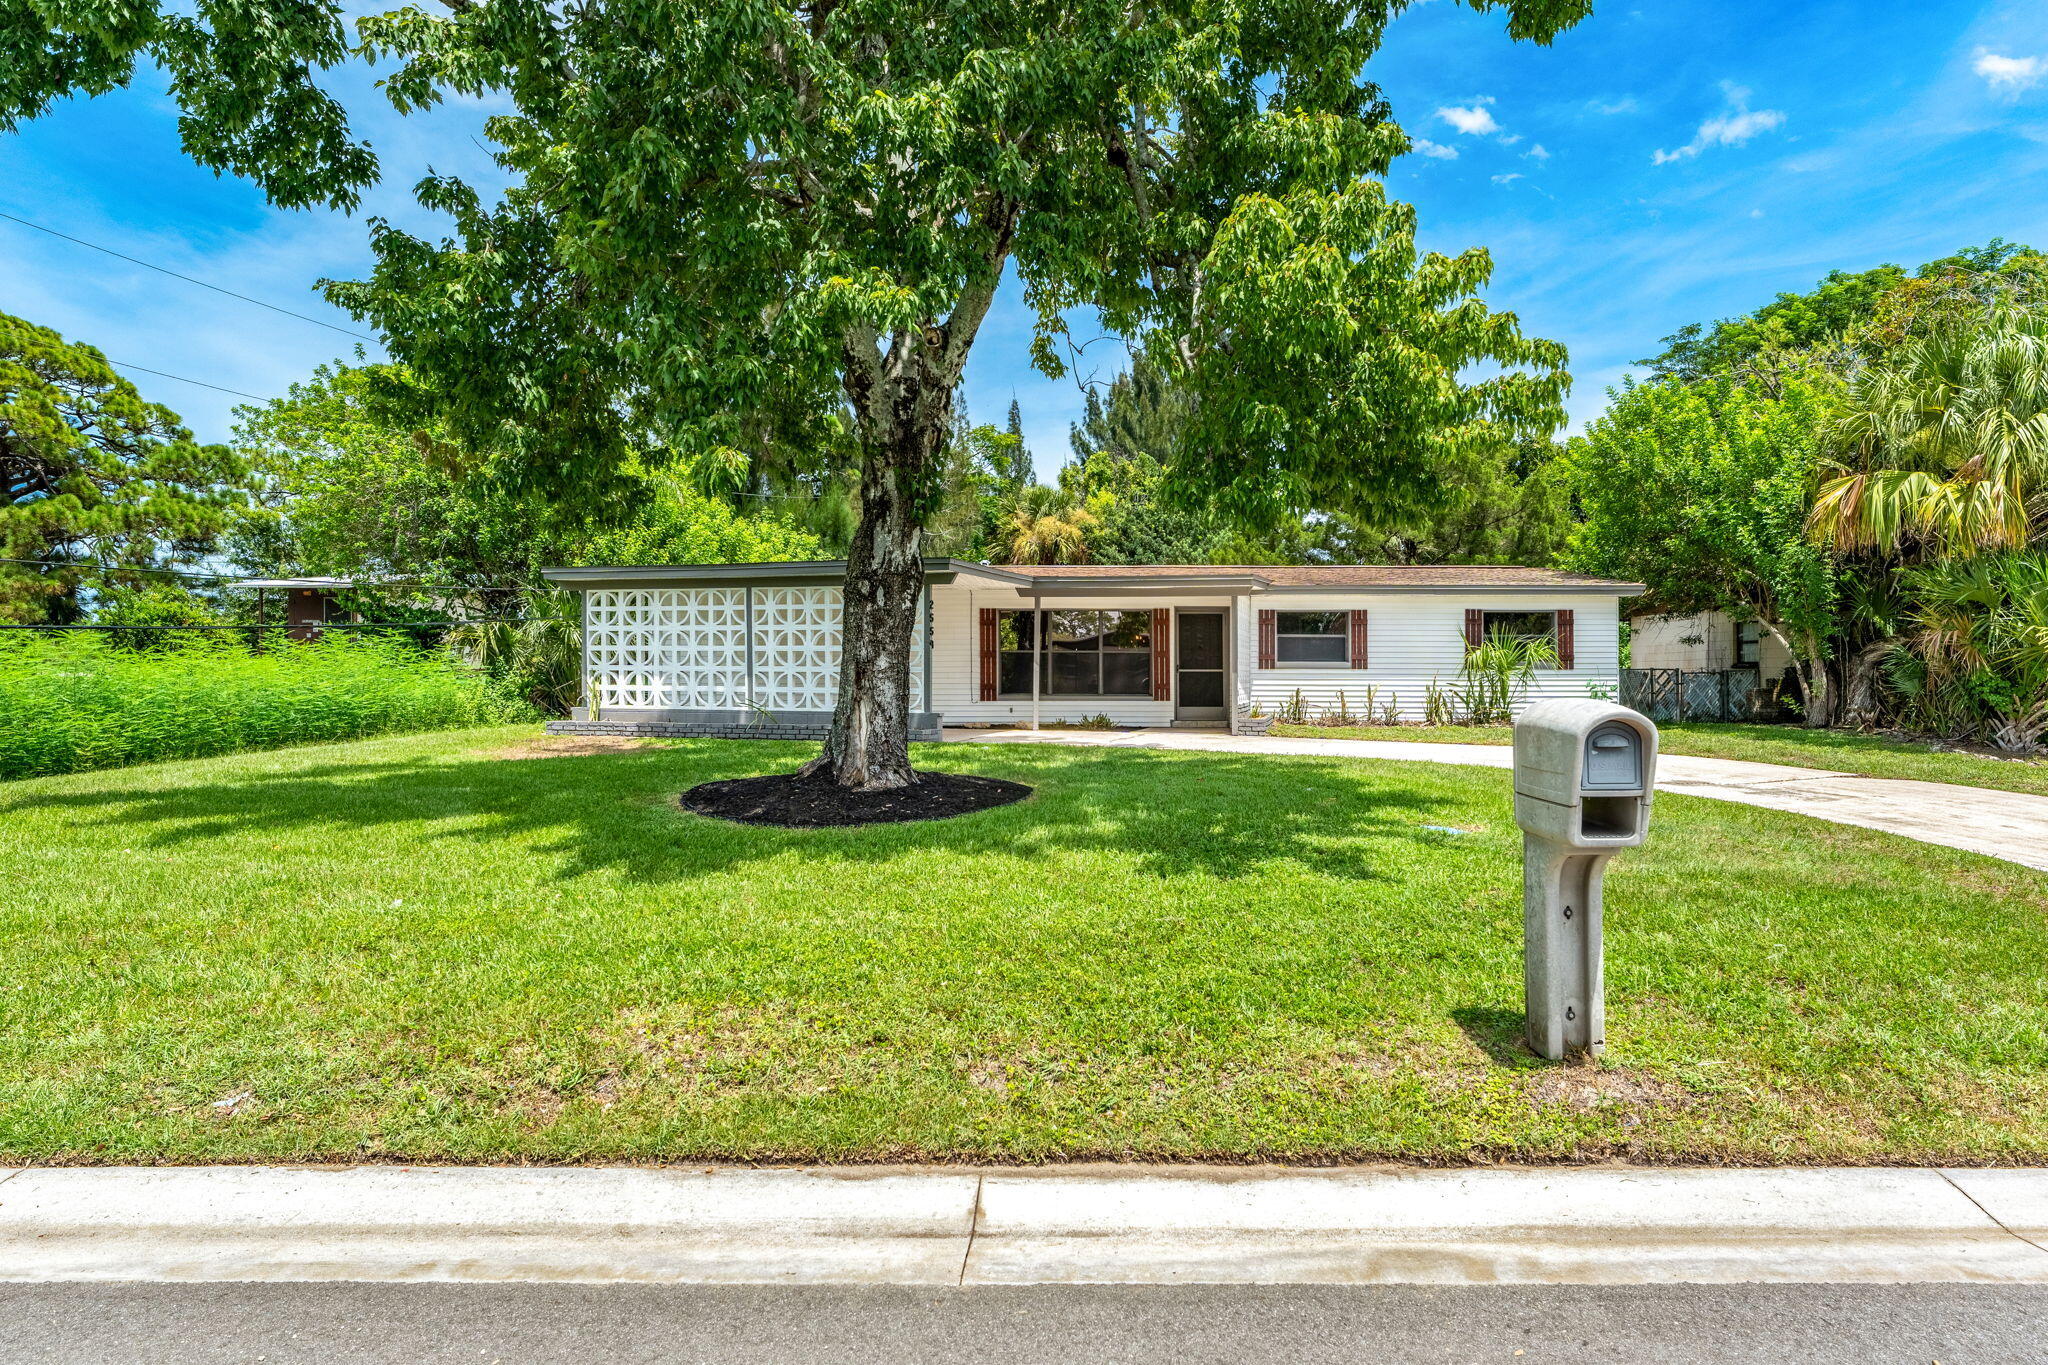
(1496, 675)
(71, 704)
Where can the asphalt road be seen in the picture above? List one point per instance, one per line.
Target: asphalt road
(171, 1324)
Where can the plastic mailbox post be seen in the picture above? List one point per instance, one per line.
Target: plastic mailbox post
(1584, 775)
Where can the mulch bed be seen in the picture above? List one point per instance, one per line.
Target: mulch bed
(794, 802)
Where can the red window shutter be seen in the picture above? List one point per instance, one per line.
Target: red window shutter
(1567, 647)
(1475, 627)
(1269, 638)
(990, 626)
(1358, 654)
(1162, 654)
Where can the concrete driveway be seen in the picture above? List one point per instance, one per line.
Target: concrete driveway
(2008, 825)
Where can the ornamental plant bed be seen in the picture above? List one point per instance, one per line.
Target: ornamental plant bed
(814, 801)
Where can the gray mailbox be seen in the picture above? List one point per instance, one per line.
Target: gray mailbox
(1585, 774)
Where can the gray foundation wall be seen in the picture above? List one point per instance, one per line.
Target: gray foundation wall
(688, 724)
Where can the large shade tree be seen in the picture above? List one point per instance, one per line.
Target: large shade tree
(738, 222)
(99, 489)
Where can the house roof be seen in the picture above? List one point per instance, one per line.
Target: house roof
(1091, 577)
(1396, 576)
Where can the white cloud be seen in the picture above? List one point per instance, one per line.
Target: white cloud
(1510, 178)
(1538, 153)
(1473, 121)
(1625, 105)
(2009, 75)
(1737, 125)
(1435, 150)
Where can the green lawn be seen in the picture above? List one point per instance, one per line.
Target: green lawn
(1798, 748)
(420, 948)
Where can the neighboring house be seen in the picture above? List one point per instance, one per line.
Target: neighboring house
(309, 603)
(754, 648)
(1706, 642)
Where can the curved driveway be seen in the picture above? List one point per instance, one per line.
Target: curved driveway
(2008, 825)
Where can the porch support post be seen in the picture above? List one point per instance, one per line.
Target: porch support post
(1037, 648)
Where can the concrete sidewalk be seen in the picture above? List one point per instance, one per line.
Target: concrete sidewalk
(1072, 1225)
(2002, 824)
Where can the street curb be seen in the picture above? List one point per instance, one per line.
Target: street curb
(962, 1227)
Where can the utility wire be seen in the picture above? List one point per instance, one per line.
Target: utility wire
(161, 374)
(95, 246)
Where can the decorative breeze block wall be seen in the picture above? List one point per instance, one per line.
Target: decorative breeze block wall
(687, 649)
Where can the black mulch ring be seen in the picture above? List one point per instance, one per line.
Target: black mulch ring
(793, 802)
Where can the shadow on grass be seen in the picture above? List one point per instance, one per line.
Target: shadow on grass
(1214, 814)
(1499, 1034)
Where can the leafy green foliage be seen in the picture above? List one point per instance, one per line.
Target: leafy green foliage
(1976, 657)
(1860, 313)
(1700, 491)
(679, 525)
(1497, 674)
(92, 476)
(749, 225)
(1943, 444)
(73, 703)
(360, 490)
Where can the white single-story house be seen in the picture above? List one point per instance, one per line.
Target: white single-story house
(1706, 642)
(722, 649)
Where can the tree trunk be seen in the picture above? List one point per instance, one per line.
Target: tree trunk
(1859, 688)
(869, 749)
(904, 402)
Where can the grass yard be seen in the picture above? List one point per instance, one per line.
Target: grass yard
(476, 946)
(1868, 755)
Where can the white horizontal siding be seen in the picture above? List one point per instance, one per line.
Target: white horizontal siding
(1413, 639)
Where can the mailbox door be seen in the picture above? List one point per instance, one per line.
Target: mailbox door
(1614, 758)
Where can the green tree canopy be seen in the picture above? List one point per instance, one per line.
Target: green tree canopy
(360, 490)
(750, 215)
(110, 487)
(1865, 312)
(1700, 492)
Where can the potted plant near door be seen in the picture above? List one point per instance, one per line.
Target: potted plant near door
(1254, 720)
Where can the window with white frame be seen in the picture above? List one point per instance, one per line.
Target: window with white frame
(1312, 637)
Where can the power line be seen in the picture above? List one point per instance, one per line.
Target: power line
(95, 246)
(161, 374)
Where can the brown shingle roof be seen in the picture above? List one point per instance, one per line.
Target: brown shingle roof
(1336, 575)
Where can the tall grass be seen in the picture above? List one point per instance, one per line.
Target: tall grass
(69, 704)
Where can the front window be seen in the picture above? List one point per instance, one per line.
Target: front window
(1085, 653)
(1313, 637)
(1520, 625)
(1749, 644)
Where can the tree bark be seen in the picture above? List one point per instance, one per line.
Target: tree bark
(902, 401)
(1859, 687)
(869, 748)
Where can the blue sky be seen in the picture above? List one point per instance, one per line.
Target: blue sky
(1660, 164)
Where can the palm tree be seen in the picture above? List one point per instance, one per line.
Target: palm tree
(1945, 443)
(1045, 526)
(1979, 640)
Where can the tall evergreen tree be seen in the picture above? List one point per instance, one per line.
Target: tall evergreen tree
(98, 488)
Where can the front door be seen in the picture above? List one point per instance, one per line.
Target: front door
(1198, 666)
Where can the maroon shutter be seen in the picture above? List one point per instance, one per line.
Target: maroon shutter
(1567, 647)
(1162, 654)
(1475, 627)
(990, 626)
(1269, 638)
(1358, 654)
